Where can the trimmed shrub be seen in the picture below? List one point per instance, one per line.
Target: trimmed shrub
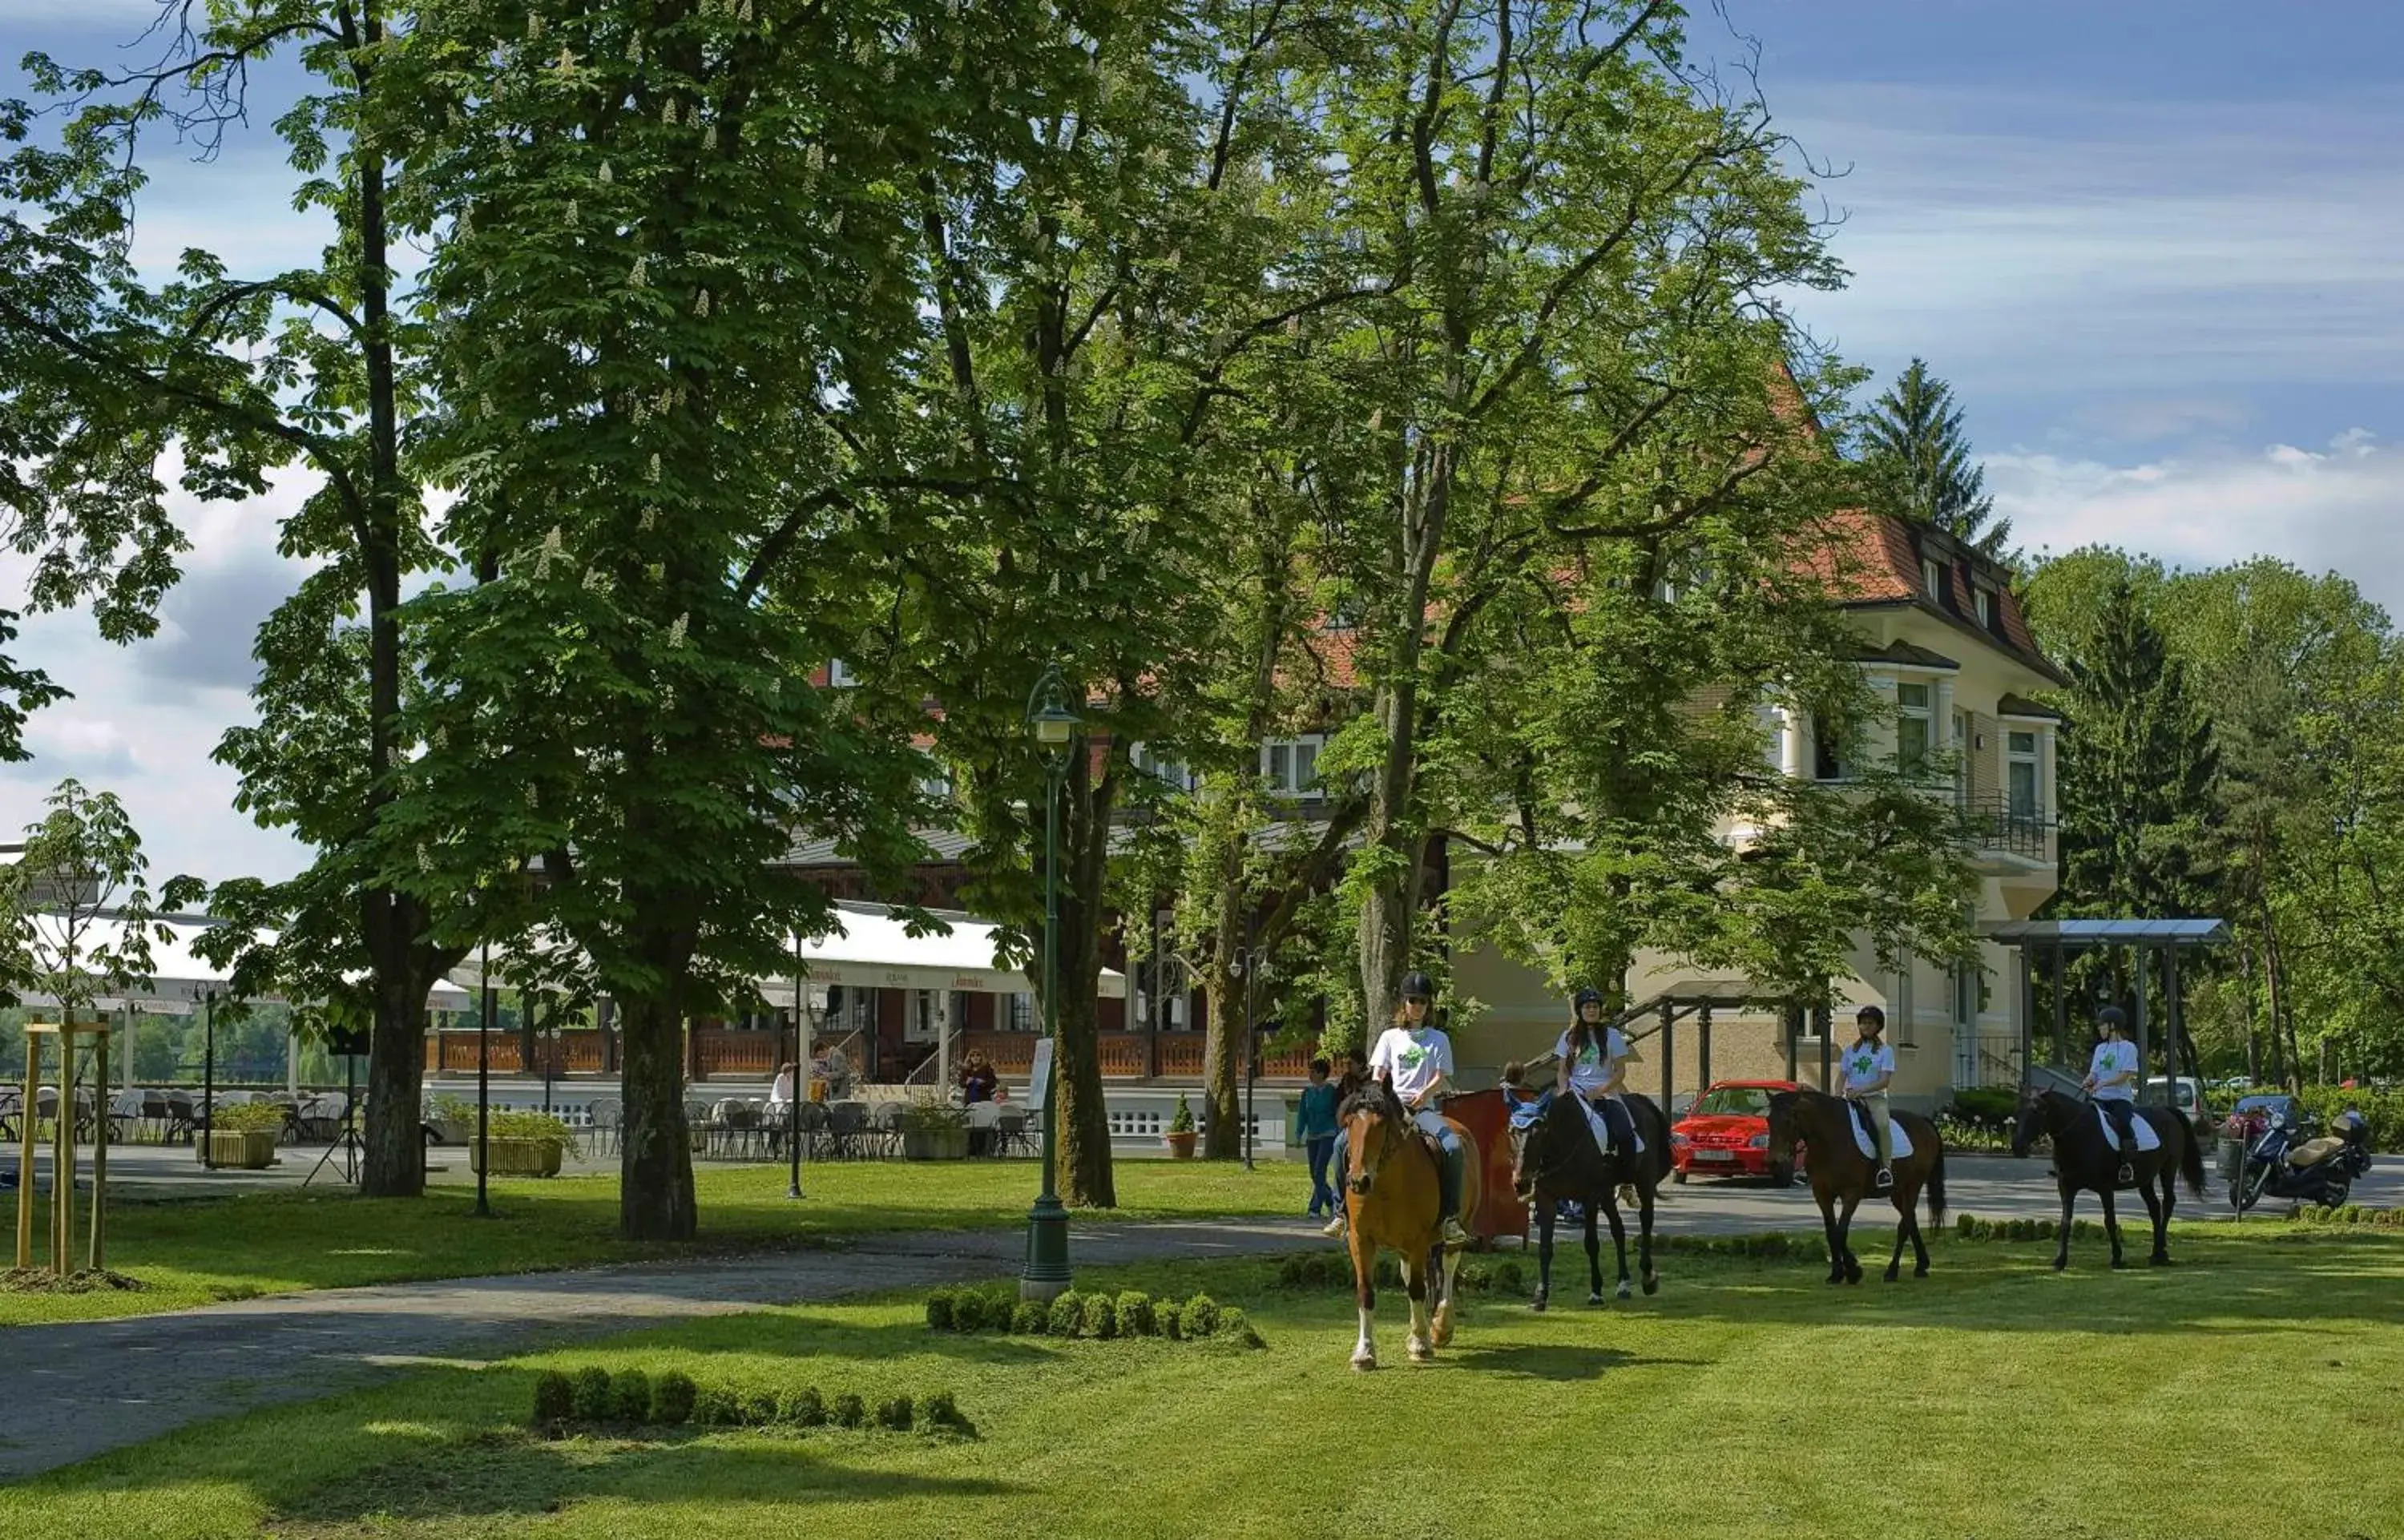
(630, 1392)
(554, 1398)
(590, 1394)
(673, 1394)
(1136, 1317)
(895, 1414)
(1068, 1314)
(939, 1310)
(1101, 1317)
(1171, 1317)
(802, 1408)
(849, 1411)
(760, 1409)
(1236, 1327)
(968, 1311)
(940, 1413)
(1389, 1272)
(1030, 1319)
(1510, 1277)
(716, 1406)
(1201, 1316)
(1291, 1274)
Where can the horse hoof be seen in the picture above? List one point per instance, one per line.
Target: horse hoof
(2157, 1260)
(2060, 1262)
(1920, 1271)
(1836, 1277)
(1625, 1292)
(1652, 1285)
(1363, 1366)
(1595, 1298)
(1538, 1304)
(2119, 1263)
(1894, 1273)
(1421, 1353)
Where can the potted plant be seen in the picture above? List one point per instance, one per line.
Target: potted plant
(244, 1137)
(934, 1130)
(454, 1118)
(1181, 1135)
(523, 1143)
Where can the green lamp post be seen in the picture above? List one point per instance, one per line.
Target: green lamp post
(1054, 723)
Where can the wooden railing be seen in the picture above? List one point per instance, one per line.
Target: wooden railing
(577, 1052)
(732, 1051)
(1131, 1056)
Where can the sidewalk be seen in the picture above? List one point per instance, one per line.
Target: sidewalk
(75, 1390)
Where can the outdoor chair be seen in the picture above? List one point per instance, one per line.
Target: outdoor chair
(1009, 1133)
(13, 1107)
(887, 1129)
(181, 1118)
(847, 1125)
(609, 1122)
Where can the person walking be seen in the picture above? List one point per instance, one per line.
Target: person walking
(1315, 1117)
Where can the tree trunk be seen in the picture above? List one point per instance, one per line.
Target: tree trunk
(1222, 1132)
(393, 1155)
(1084, 1171)
(655, 1198)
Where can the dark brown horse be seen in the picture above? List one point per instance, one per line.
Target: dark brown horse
(2083, 1159)
(1557, 1161)
(1394, 1202)
(1842, 1176)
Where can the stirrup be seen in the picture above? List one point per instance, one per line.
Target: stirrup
(1885, 1178)
(2128, 1174)
(1454, 1237)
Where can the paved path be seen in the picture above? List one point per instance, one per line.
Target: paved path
(75, 1390)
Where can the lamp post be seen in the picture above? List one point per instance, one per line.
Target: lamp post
(1250, 962)
(484, 1084)
(1054, 723)
(800, 1087)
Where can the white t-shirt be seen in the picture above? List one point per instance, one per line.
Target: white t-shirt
(1865, 1062)
(2114, 1059)
(782, 1091)
(1414, 1060)
(1592, 1070)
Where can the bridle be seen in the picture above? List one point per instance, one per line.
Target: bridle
(1373, 1159)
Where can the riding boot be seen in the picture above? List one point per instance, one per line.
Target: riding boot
(1451, 1170)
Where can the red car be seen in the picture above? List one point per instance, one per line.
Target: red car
(1727, 1133)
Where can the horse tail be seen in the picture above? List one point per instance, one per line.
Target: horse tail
(2191, 1155)
(1936, 1182)
(1662, 1163)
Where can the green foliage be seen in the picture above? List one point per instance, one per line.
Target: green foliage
(1102, 1321)
(590, 1394)
(82, 863)
(1068, 1314)
(1918, 464)
(940, 1309)
(1238, 1328)
(1137, 1316)
(1170, 1315)
(249, 1117)
(1201, 1316)
(802, 1407)
(895, 1415)
(941, 1413)
(554, 1398)
(969, 1310)
(849, 1411)
(716, 1406)
(1988, 1104)
(630, 1392)
(1029, 1318)
(1182, 1120)
(542, 1127)
(673, 1398)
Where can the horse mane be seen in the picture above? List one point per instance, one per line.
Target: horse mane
(1376, 1097)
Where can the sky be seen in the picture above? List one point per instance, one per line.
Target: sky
(2150, 243)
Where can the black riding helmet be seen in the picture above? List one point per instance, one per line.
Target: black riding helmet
(2112, 1019)
(1417, 986)
(1585, 997)
(1870, 1016)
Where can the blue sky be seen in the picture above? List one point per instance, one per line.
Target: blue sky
(2152, 243)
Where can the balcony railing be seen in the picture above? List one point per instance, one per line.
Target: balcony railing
(1993, 823)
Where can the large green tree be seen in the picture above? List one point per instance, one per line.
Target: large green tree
(1920, 465)
(225, 377)
(674, 303)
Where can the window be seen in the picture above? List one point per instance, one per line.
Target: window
(1914, 728)
(919, 1025)
(1961, 746)
(1827, 750)
(1931, 578)
(1021, 1013)
(1986, 600)
(840, 674)
(1290, 767)
(2021, 770)
(1162, 768)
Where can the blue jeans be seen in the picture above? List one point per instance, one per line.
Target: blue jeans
(1322, 1149)
(1450, 1171)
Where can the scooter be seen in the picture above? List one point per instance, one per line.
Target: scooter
(2283, 1163)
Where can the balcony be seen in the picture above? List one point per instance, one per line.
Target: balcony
(1991, 824)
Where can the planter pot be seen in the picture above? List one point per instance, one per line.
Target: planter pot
(241, 1149)
(454, 1130)
(1181, 1145)
(944, 1144)
(517, 1156)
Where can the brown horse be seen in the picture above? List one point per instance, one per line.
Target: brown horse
(1841, 1174)
(1395, 1203)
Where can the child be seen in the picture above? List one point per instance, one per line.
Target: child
(2112, 1081)
(1414, 1056)
(1869, 1069)
(1316, 1115)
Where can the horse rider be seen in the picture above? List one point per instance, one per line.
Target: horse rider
(1594, 1066)
(1869, 1070)
(2112, 1081)
(1414, 1056)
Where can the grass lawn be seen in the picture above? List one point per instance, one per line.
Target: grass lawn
(1749, 1399)
(193, 1251)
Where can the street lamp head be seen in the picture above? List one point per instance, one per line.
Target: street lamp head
(1048, 711)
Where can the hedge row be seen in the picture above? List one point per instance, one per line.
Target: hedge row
(2354, 1214)
(593, 1395)
(1096, 1316)
(1971, 1227)
(1334, 1269)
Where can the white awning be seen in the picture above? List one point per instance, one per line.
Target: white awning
(179, 979)
(871, 950)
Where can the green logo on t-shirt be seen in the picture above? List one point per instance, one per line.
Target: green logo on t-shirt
(1862, 1065)
(1411, 1058)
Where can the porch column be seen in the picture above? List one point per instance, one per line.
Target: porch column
(1793, 743)
(1702, 1050)
(942, 1039)
(1668, 1055)
(2025, 1003)
(2139, 964)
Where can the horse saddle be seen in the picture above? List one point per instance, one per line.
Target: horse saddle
(2147, 1137)
(1866, 1137)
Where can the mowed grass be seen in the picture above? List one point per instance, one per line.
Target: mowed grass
(194, 1252)
(1748, 1399)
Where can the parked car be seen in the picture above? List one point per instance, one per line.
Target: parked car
(2185, 1092)
(1727, 1133)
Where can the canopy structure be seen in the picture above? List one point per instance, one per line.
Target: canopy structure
(872, 948)
(2153, 947)
(179, 979)
(2077, 933)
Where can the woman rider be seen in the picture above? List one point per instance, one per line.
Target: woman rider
(1414, 1056)
(1593, 1064)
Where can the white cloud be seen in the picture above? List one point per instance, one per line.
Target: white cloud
(2337, 508)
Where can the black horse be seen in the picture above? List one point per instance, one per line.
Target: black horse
(1557, 1161)
(2082, 1160)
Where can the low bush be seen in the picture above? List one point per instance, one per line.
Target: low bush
(1030, 1317)
(1234, 1326)
(554, 1398)
(940, 1305)
(1068, 1314)
(760, 1409)
(940, 1413)
(1137, 1315)
(1201, 1316)
(851, 1411)
(717, 1406)
(672, 1396)
(1171, 1317)
(2353, 1214)
(1101, 1317)
(896, 1415)
(968, 1311)
(250, 1117)
(630, 1392)
(802, 1408)
(591, 1398)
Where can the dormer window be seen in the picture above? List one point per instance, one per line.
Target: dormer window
(839, 674)
(1290, 767)
(1931, 578)
(1986, 601)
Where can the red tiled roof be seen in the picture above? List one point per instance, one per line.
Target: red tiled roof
(1871, 559)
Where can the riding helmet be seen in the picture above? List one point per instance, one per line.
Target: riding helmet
(2111, 1016)
(1417, 986)
(1585, 997)
(1871, 1013)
